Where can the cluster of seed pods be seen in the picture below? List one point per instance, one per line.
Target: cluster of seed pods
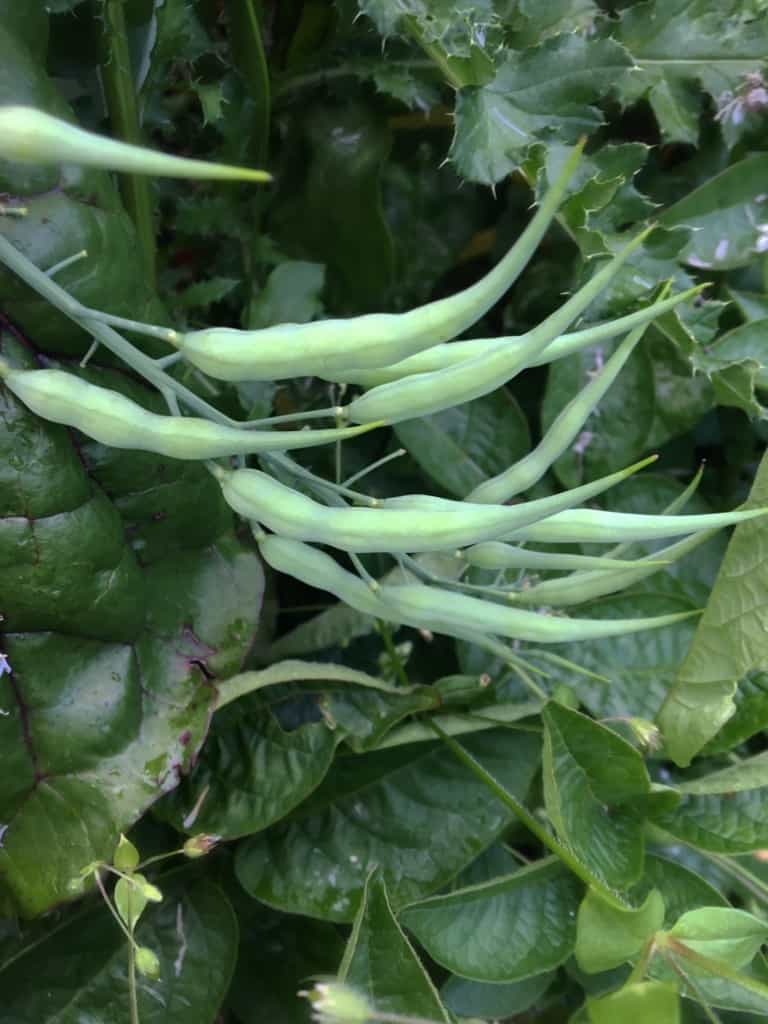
(408, 369)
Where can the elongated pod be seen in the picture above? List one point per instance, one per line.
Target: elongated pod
(594, 526)
(443, 356)
(494, 554)
(439, 610)
(579, 587)
(561, 433)
(427, 393)
(113, 419)
(317, 348)
(395, 530)
(28, 135)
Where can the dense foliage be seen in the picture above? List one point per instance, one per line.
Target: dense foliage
(586, 841)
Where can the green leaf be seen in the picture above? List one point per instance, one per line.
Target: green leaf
(681, 888)
(380, 962)
(591, 778)
(411, 806)
(643, 1002)
(679, 45)
(724, 812)
(534, 21)
(365, 717)
(722, 933)
(130, 901)
(250, 773)
(461, 447)
(726, 213)
(457, 27)
(291, 295)
(543, 91)
(468, 998)
(504, 930)
(607, 937)
(85, 962)
(203, 294)
(749, 718)
(728, 643)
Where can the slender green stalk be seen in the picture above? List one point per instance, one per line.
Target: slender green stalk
(385, 631)
(119, 91)
(530, 822)
(436, 53)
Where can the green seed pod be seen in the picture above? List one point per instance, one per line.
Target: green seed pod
(394, 529)
(118, 421)
(496, 555)
(593, 526)
(28, 135)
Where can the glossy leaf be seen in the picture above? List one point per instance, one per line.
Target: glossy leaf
(591, 778)
(504, 930)
(721, 933)
(468, 998)
(413, 811)
(380, 962)
(643, 1002)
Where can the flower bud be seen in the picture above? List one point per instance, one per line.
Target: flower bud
(199, 845)
(335, 1003)
(126, 856)
(147, 962)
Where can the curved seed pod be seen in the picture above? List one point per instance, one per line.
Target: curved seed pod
(494, 554)
(427, 393)
(28, 135)
(118, 421)
(593, 526)
(441, 357)
(440, 610)
(445, 612)
(587, 586)
(561, 434)
(317, 348)
(260, 498)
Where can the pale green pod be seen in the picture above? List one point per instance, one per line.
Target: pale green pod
(588, 586)
(444, 356)
(494, 554)
(115, 420)
(395, 530)
(446, 612)
(320, 347)
(561, 433)
(441, 611)
(594, 526)
(428, 393)
(28, 135)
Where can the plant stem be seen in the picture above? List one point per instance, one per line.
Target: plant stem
(120, 95)
(530, 822)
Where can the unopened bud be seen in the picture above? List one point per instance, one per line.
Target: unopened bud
(199, 845)
(147, 962)
(126, 857)
(334, 1003)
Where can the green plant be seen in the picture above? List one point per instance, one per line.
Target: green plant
(400, 791)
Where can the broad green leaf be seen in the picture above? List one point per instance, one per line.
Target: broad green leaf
(725, 812)
(250, 773)
(643, 1002)
(607, 937)
(414, 811)
(591, 778)
(550, 89)
(380, 962)
(721, 933)
(457, 27)
(750, 716)
(85, 963)
(468, 998)
(290, 295)
(534, 21)
(364, 717)
(680, 44)
(461, 447)
(726, 212)
(728, 643)
(504, 930)
(681, 888)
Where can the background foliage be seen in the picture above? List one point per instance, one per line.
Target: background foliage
(405, 137)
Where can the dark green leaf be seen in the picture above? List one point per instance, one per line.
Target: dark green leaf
(490, 999)
(504, 930)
